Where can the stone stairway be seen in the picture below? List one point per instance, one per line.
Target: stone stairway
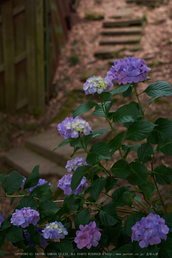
(38, 150)
(120, 34)
(151, 3)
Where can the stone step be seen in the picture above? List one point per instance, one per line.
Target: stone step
(24, 160)
(151, 3)
(122, 13)
(122, 31)
(123, 23)
(119, 40)
(108, 52)
(45, 143)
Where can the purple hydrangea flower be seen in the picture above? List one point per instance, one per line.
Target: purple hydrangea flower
(40, 182)
(24, 217)
(43, 242)
(54, 230)
(97, 84)
(87, 236)
(73, 164)
(128, 70)
(74, 127)
(149, 230)
(1, 218)
(65, 184)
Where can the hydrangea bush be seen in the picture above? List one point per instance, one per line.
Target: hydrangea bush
(111, 208)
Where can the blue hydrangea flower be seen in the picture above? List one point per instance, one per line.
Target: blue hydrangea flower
(73, 164)
(54, 230)
(24, 217)
(65, 184)
(40, 182)
(128, 70)
(43, 242)
(149, 230)
(1, 218)
(97, 84)
(74, 127)
(87, 236)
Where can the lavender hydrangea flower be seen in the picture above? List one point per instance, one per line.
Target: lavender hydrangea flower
(1, 218)
(40, 182)
(43, 242)
(24, 217)
(128, 70)
(97, 84)
(74, 127)
(149, 230)
(65, 184)
(87, 236)
(55, 230)
(73, 164)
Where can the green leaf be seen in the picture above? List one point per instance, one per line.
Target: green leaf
(63, 143)
(52, 250)
(108, 215)
(168, 220)
(99, 110)
(83, 218)
(43, 192)
(165, 146)
(110, 183)
(97, 187)
(27, 201)
(120, 169)
(48, 208)
(144, 152)
(116, 142)
(29, 252)
(163, 175)
(78, 175)
(148, 189)
(12, 182)
(121, 89)
(87, 138)
(129, 148)
(84, 107)
(139, 130)
(2, 177)
(34, 235)
(166, 249)
(128, 92)
(33, 178)
(126, 113)
(124, 250)
(98, 152)
(14, 234)
(66, 247)
(158, 89)
(131, 221)
(105, 96)
(138, 174)
(122, 196)
(164, 127)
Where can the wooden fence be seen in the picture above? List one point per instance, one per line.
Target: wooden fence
(32, 34)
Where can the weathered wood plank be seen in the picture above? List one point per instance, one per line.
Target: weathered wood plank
(2, 92)
(18, 9)
(31, 54)
(8, 48)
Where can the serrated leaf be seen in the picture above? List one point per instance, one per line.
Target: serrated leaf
(144, 152)
(2, 177)
(33, 179)
(12, 182)
(165, 146)
(164, 127)
(84, 107)
(78, 175)
(166, 249)
(139, 130)
(63, 143)
(27, 201)
(148, 189)
(126, 113)
(14, 234)
(66, 247)
(101, 148)
(48, 208)
(99, 110)
(116, 141)
(128, 92)
(97, 187)
(108, 215)
(83, 218)
(163, 175)
(120, 169)
(158, 89)
(121, 89)
(168, 220)
(122, 196)
(138, 173)
(111, 182)
(106, 96)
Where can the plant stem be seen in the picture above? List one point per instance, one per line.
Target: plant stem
(150, 205)
(21, 195)
(138, 101)
(156, 185)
